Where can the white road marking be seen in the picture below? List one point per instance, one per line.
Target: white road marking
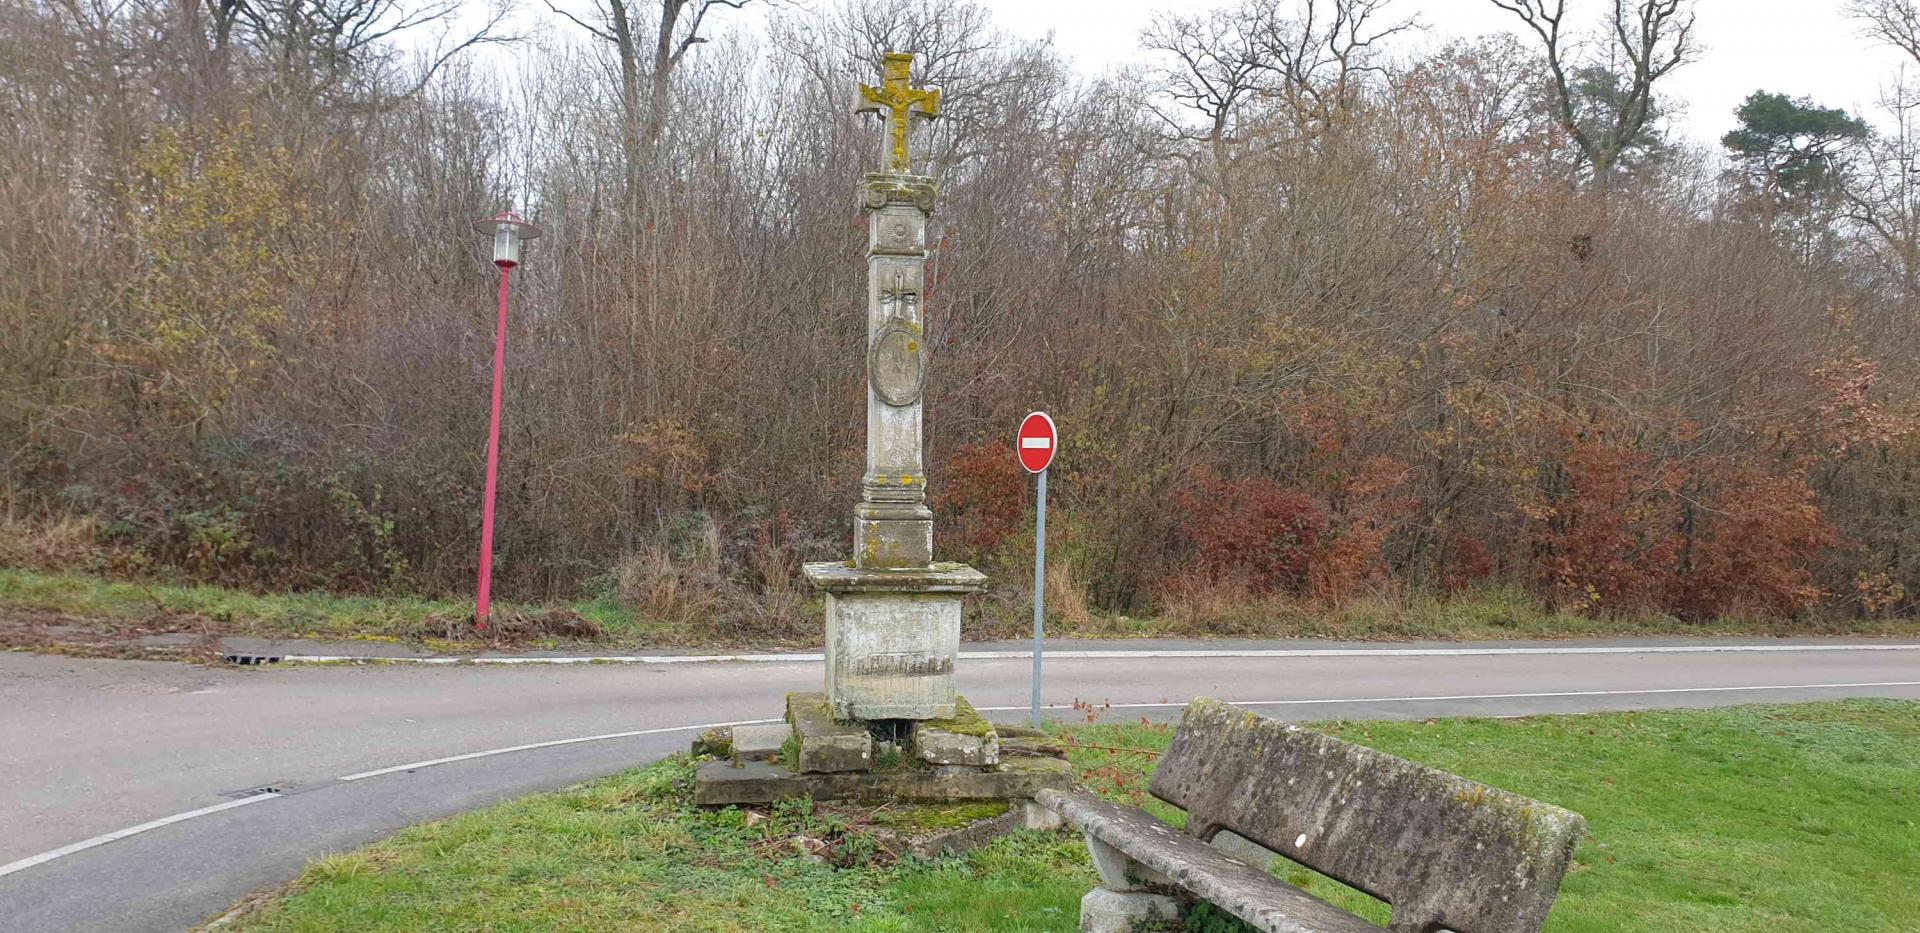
(1118, 654)
(85, 844)
(415, 766)
(1482, 696)
(49, 856)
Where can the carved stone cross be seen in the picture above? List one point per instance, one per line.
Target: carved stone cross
(897, 101)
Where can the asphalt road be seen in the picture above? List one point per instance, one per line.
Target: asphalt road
(92, 748)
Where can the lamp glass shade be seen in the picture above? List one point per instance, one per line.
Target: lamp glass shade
(506, 246)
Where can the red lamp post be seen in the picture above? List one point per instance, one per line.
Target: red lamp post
(508, 230)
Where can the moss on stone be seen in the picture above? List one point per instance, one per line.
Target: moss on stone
(1030, 746)
(717, 742)
(965, 721)
(1025, 764)
(1019, 732)
(922, 819)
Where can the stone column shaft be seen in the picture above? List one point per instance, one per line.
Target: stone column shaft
(893, 529)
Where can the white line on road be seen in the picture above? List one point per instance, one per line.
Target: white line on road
(1483, 696)
(1118, 654)
(415, 766)
(205, 811)
(85, 844)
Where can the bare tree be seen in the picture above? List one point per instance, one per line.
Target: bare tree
(318, 43)
(1895, 22)
(1335, 283)
(677, 29)
(1318, 53)
(1885, 200)
(1653, 37)
(1214, 66)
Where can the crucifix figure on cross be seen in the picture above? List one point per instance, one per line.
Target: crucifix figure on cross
(897, 101)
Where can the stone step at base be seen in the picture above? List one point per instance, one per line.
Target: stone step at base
(966, 738)
(759, 743)
(826, 744)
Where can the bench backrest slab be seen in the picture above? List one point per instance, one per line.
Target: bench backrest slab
(1445, 852)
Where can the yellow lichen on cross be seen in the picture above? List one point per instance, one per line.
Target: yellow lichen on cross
(898, 101)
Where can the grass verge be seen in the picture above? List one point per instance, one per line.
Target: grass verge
(89, 614)
(1784, 818)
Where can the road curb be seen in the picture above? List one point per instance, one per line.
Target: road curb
(1115, 654)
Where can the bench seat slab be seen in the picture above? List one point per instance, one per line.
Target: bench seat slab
(1255, 896)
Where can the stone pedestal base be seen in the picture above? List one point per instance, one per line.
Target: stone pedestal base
(718, 783)
(892, 637)
(960, 759)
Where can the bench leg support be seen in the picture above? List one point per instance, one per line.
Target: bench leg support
(1036, 817)
(1104, 911)
(1122, 902)
(1117, 871)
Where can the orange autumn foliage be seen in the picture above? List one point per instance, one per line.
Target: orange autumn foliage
(1252, 528)
(1753, 550)
(983, 499)
(1626, 532)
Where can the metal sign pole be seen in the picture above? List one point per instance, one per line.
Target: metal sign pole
(1039, 587)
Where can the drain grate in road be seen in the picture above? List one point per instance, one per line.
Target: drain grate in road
(258, 791)
(250, 659)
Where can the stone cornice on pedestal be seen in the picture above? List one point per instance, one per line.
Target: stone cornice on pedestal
(839, 576)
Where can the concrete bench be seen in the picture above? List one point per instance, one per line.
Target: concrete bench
(1447, 853)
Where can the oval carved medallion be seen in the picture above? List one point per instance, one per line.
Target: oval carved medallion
(896, 365)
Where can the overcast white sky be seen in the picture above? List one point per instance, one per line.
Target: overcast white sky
(1796, 47)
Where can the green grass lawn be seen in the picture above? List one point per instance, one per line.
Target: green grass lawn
(1777, 818)
(111, 610)
(87, 597)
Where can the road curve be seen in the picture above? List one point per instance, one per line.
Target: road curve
(92, 749)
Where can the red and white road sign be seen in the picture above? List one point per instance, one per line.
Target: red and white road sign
(1036, 442)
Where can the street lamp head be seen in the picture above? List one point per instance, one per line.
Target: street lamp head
(508, 230)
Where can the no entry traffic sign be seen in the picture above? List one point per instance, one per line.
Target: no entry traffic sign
(1036, 442)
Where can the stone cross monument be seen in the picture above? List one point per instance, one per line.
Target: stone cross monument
(893, 615)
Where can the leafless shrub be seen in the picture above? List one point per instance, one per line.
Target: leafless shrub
(248, 335)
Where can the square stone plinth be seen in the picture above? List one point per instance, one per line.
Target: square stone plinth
(892, 638)
(884, 540)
